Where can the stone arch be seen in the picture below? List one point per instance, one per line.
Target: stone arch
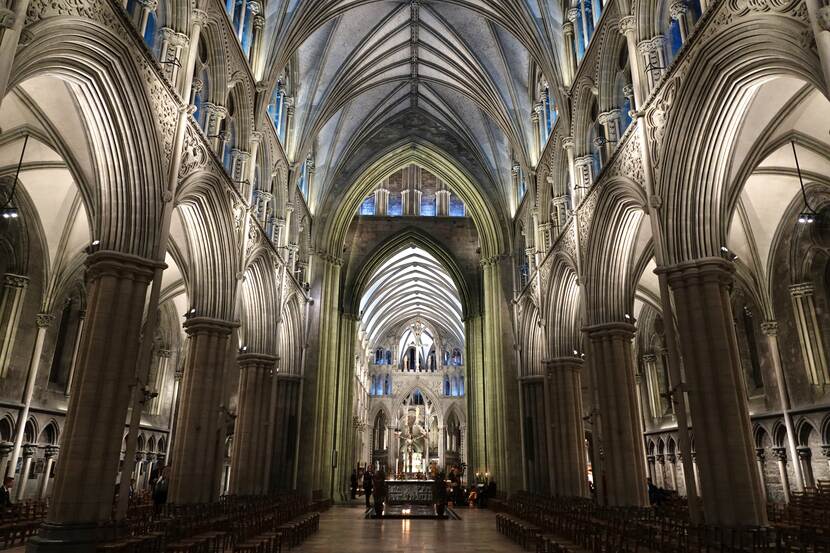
(50, 434)
(494, 239)
(706, 112)
(258, 297)
(210, 232)
(803, 430)
(611, 278)
(92, 60)
(292, 336)
(531, 338)
(562, 309)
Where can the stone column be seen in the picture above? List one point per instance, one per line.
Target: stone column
(760, 459)
(382, 200)
(14, 290)
(170, 52)
(43, 321)
(256, 39)
(5, 451)
(198, 20)
(76, 347)
(195, 456)
(570, 53)
(610, 121)
(143, 14)
(584, 174)
(654, 61)
(825, 450)
(661, 471)
(570, 476)
(672, 459)
(652, 468)
(805, 456)
(770, 330)
(442, 203)
(781, 456)
(678, 10)
(23, 483)
(51, 453)
(214, 114)
(624, 476)
(537, 131)
(820, 21)
(720, 417)
(255, 374)
(809, 332)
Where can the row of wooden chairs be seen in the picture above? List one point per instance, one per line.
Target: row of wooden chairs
(20, 521)
(598, 529)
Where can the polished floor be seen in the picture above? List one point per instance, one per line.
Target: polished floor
(344, 530)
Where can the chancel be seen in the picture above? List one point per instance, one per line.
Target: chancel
(525, 274)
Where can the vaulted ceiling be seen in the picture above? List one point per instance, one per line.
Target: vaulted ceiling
(465, 66)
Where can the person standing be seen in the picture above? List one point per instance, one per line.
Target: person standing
(367, 486)
(6, 492)
(160, 491)
(379, 491)
(354, 484)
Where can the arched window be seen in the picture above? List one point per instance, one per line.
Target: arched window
(379, 434)
(461, 385)
(388, 357)
(679, 19)
(228, 134)
(379, 356)
(387, 385)
(201, 83)
(454, 387)
(596, 139)
(447, 386)
(303, 183)
(277, 109)
(64, 346)
(623, 91)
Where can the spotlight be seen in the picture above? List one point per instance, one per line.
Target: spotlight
(806, 218)
(576, 353)
(10, 213)
(627, 317)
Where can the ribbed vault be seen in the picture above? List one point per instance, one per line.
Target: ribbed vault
(410, 285)
(467, 64)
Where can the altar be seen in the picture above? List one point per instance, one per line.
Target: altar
(409, 492)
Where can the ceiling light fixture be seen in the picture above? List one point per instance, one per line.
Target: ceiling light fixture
(809, 215)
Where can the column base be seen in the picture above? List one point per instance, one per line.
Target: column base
(72, 538)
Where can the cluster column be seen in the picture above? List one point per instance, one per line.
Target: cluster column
(14, 290)
(569, 473)
(194, 469)
(250, 439)
(623, 481)
(82, 495)
(723, 438)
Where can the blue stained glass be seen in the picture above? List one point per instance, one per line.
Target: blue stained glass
(428, 207)
(456, 207)
(675, 38)
(395, 205)
(368, 206)
(150, 31)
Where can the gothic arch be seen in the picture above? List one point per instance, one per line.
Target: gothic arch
(706, 112)
(93, 61)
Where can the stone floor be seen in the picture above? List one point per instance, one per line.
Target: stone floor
(343, 529)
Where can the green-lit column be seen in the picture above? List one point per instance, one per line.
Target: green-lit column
(345, 404)
(476, 459)
(319, 391)
(500, 384)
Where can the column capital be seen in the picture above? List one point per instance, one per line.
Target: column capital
(139, 456)
(175, 38)
(628, 24)
(678, 9)
(256, 360)
(568, 27)
(760, 453)
(164, 353)
(610, 330)
(120, 265)
(825, 450)
(44, 320)
(648, 357)
(780, 454)
(769, 328)
(671, 458)
(208, 325)
(652, 45)
(29, 450)
(823, 17)
(804, 453)
(199, 17)
(560, 364)
(802, 289)
(568, 142)
(51, 451)
(707, 269)
(259, 22)
(6, 448)
(15, 281)
(573, 13)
